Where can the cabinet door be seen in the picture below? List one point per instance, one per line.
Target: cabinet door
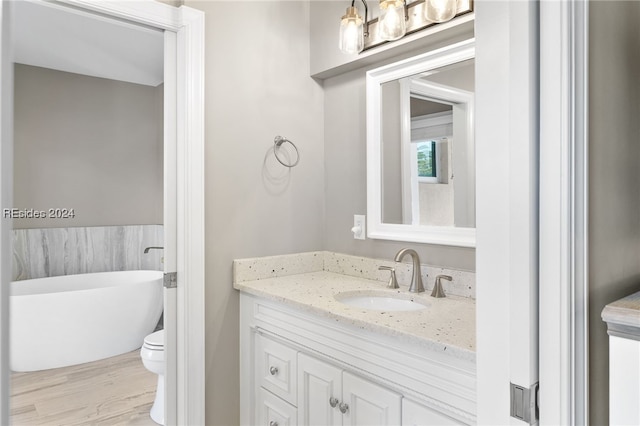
(368, 403)
(414, 414)
(319, 386)
(273, 411)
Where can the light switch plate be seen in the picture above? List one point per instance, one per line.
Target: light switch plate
(359, 227)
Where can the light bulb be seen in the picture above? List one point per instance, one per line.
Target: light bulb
(392, 20)
(440, 10)
(351, 32)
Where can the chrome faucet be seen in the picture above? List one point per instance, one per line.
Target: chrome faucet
(416, 280)
(152, 248)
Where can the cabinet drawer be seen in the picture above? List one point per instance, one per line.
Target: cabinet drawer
(276, 368)
(272, 411)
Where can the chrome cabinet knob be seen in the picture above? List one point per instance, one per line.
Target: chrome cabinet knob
(273, 423)
(333, 402)
(344, 407)
(273, 370)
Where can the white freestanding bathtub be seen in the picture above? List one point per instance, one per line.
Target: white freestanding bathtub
(73, 319)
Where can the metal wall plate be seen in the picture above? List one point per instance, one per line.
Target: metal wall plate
(170, 280)
(524, 403)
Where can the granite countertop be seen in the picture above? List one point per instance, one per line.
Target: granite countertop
(448, 324)
(623, 317)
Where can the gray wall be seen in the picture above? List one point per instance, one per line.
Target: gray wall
(91, 144)
(345, 178)
(614, 204)
(257, 86)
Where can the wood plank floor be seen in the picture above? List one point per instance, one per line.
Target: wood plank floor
(113, 391)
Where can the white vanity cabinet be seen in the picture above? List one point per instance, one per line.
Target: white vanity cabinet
(273, 411)
(302, 368)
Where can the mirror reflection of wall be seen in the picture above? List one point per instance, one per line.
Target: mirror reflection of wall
(428, 170)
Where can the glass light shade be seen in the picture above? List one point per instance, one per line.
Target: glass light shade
(351, 32)
(391, 22)
(440, 10)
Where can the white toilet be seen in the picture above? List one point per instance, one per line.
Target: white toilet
(152, 354)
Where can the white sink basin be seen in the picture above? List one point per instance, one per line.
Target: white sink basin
(381, 303)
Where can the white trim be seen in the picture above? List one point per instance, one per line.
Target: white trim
(191, 319)
(564, 213)
(170, 222)
(463, 237)
(145, 12)
(6, 200)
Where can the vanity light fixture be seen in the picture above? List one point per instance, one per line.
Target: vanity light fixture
(397, 18)
(352, 32)
(393, 20)
(440, 10)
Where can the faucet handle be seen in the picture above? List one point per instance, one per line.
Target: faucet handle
(393, 282)
(437, 288)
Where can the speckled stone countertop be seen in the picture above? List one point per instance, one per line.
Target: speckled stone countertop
(623, 317)
(447, 324)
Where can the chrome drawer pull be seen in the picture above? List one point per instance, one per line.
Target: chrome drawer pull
(273, 423)
(273, 371)
(344, 407)
(333, 402)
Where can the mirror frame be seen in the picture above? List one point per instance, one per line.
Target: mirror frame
(376, 229)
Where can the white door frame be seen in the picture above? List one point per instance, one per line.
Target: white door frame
(188, 26)
(527, 275)
(564, 212)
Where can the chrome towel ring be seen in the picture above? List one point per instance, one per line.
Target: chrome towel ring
(277, 142)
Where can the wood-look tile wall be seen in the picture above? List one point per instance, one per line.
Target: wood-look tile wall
(51, 252)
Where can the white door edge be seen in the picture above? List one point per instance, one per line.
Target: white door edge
(506, 137)
(564, 213)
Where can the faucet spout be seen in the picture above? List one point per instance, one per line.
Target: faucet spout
(416, 279)
(152, 248)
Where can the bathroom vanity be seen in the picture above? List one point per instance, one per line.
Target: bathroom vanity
(310, 355)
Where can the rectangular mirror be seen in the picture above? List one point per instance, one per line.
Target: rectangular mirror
(420, 148)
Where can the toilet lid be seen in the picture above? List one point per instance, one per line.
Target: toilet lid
(155, 339)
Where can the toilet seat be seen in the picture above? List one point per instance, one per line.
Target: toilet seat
(155, 341)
